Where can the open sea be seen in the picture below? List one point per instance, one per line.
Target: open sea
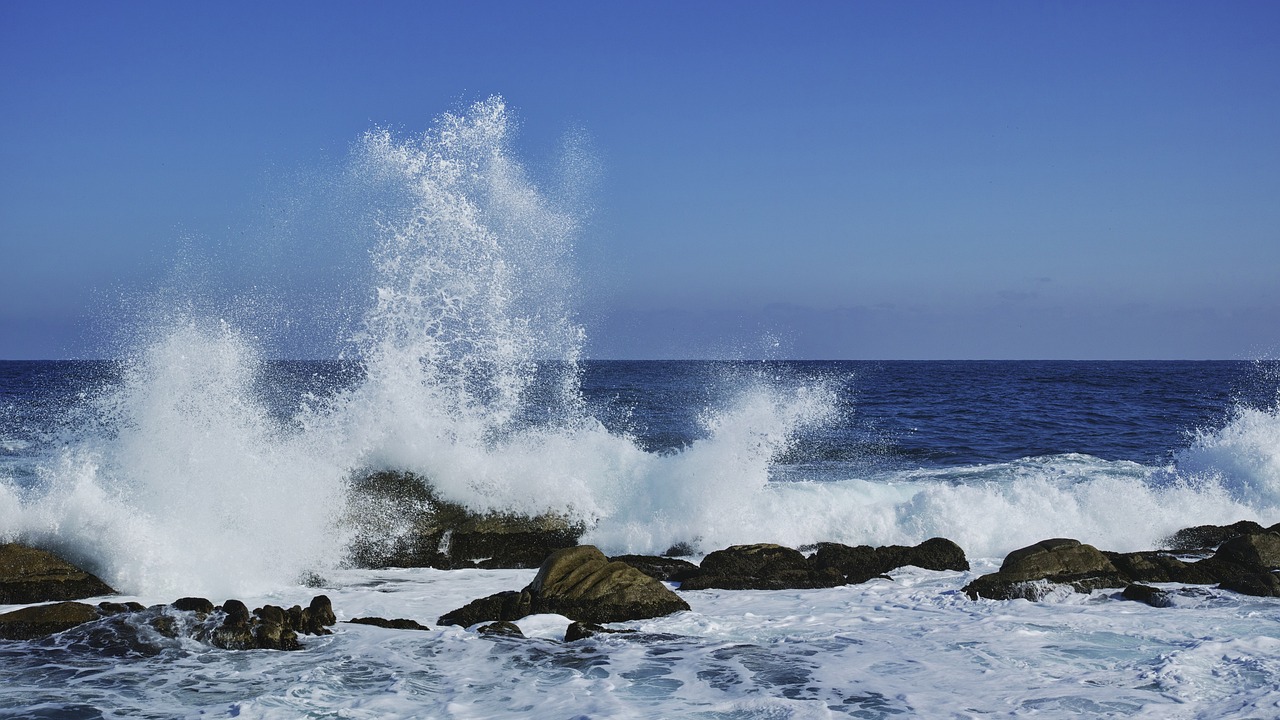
(196, 465)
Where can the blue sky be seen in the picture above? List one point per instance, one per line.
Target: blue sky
(828, 180)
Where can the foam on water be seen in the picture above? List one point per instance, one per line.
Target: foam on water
(469, 376)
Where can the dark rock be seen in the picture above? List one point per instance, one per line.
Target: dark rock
(1209, 537)
(1261, 584)
(236, 630)
(396, 624)
(660, 568)
(444, 534)
(582, 630)
(1144, 567)
(762, 566)
(112, 608)
(165, 625)
(41, 620)
(1030, 572)
(193, 604)
(507, 605)
(581, 584)
(271, 630)
(501, 628)
(863, 562)
(1154, 597)
(679, 549)
(1261, 551)
(318, 617)
(28, 575)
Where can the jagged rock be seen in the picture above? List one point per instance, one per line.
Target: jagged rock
(660, 568)
(405, 523)
(861, 563)
(395, 624)
(583, 630)
(270, 627)
(40, 620)
(1209, 537)
(318, 617)
(1026, 571)
(581, 584)
(679, 549)
(501, 628)
(29, 575)
(1154, 597)
(762, 566)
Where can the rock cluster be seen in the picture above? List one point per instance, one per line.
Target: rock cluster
(403, 522)
(1245, 562)
(270, 627)
(581, 584)
(774, 567)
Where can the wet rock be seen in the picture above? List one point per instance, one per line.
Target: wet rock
(236, 630)
(317, 618)
(861, 563)
(1209, 537)
(41, 620)
(581, 584)
(1145, 567)
(1027, 571)
(395, 624)
(501, 628)
(762, 566)
(679, 549)
(403, 522)
(507, 605)
(660, 568)
(193, 604)
(1260, 584)
(1154, 597)
(583, 630)
(112, 608)
(1260, 551)
(29, 575)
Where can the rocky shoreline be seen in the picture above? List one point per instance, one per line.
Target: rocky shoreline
(591, 590)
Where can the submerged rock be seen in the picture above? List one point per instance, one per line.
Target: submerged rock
(582, 630)
(394, 624)
(402, 522)
(41, 620)
(30, 575)
(1154, 597)
(581, 584)
(502, 628)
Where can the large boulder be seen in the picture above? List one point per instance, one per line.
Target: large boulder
(40, 620)
(401, 521)
(1209, 537)
(29, 575)
(1031, 571)
(581, 584)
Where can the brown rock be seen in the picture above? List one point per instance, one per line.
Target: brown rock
(41, 620)
(28, 575)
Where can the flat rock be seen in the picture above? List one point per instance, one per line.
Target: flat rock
(30, 575)
(393, 624)
(762, 566)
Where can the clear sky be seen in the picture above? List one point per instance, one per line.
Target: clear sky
(811, 180)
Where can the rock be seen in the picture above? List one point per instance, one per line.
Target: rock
(29, 575)
(1026, 571)
(396, 624)
(1209, 537)
(1261, 551)
(1154, 597)
(660, 568)
(318, 617)
(762, 566)
(679, 549)
(1143, 567)
(582, 630)
(1261, 584)
(41, 620)
(508, 605)
(111, 608)
(861, 563)
(581, 584)
(193, 604)
(403, 522)
(501, 628)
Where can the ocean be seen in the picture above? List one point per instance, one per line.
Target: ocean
(195, 464)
